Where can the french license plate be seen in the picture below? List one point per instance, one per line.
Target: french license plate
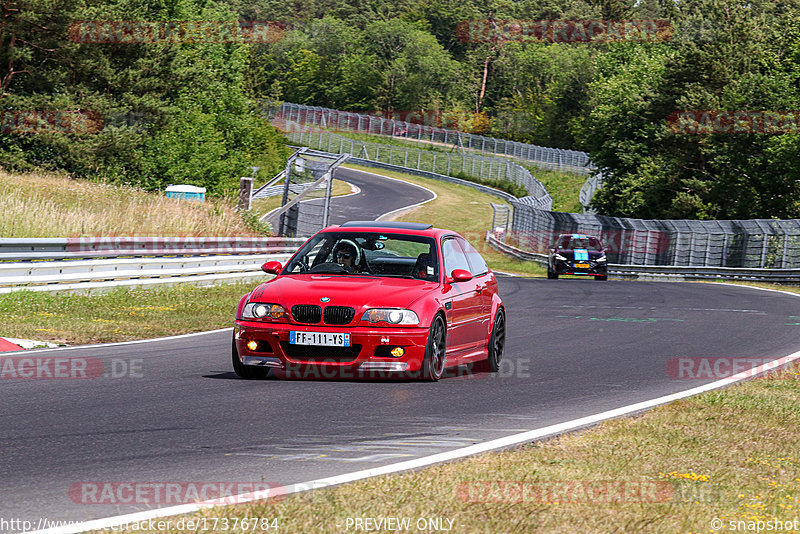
(581, 265)
(326, 339)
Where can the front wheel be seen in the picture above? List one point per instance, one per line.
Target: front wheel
(603, 277)
(434, 360)
(497, 342)
(246, 371)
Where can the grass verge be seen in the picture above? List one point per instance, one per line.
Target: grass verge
(564, 188)
(45, 205)
(120, 315)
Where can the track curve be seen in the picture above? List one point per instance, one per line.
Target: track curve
(575, 348)
(378, 196)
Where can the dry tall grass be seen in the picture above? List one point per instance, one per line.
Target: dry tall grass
(45, 205)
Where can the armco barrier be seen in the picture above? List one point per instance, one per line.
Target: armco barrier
(71, 248)
(86, 264)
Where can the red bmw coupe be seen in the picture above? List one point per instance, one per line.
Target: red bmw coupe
(372, 297)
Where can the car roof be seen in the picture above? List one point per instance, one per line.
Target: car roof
(394, 227)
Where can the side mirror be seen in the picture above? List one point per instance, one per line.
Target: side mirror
(272, 267)
(460, 275)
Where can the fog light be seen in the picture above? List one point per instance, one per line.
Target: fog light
(398, 351)
(252, 345)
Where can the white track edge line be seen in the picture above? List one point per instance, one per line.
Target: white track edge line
(118, 343)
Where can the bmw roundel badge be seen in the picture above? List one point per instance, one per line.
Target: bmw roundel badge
(325, 299)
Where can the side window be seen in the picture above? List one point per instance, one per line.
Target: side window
(454, 257)
(477, 264)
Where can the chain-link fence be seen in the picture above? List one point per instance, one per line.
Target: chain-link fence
(331, 119)
(756, 243)
(448, 163)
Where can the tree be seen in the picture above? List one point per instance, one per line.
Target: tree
(725, 56)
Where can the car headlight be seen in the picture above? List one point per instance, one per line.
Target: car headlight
(390, 315)
(263, 310)
(559, 257)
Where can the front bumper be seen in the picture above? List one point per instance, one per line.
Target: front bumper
(368, 354)
(570, 267)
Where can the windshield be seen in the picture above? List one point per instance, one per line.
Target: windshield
(571, 242)
(367, 253)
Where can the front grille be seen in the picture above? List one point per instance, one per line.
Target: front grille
(339, 314)
(314, 353)
(307, 313)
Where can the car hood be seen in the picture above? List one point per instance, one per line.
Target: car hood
(359, 292)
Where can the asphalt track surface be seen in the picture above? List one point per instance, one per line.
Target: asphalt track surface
(575, 348)
(377, 197)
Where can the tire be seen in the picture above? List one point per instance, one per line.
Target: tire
(247, 372)
(604, 277)
(435, 351)
(497, 343)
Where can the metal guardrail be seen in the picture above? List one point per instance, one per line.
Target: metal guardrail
(661, 272)
(74, 248)
(84, 264)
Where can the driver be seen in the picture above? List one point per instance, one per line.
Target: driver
(345, 254)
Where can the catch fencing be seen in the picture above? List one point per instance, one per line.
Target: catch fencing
(744, 244)
(331, 119)
(447, 163)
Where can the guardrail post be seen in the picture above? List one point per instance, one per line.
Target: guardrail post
(245, 190)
